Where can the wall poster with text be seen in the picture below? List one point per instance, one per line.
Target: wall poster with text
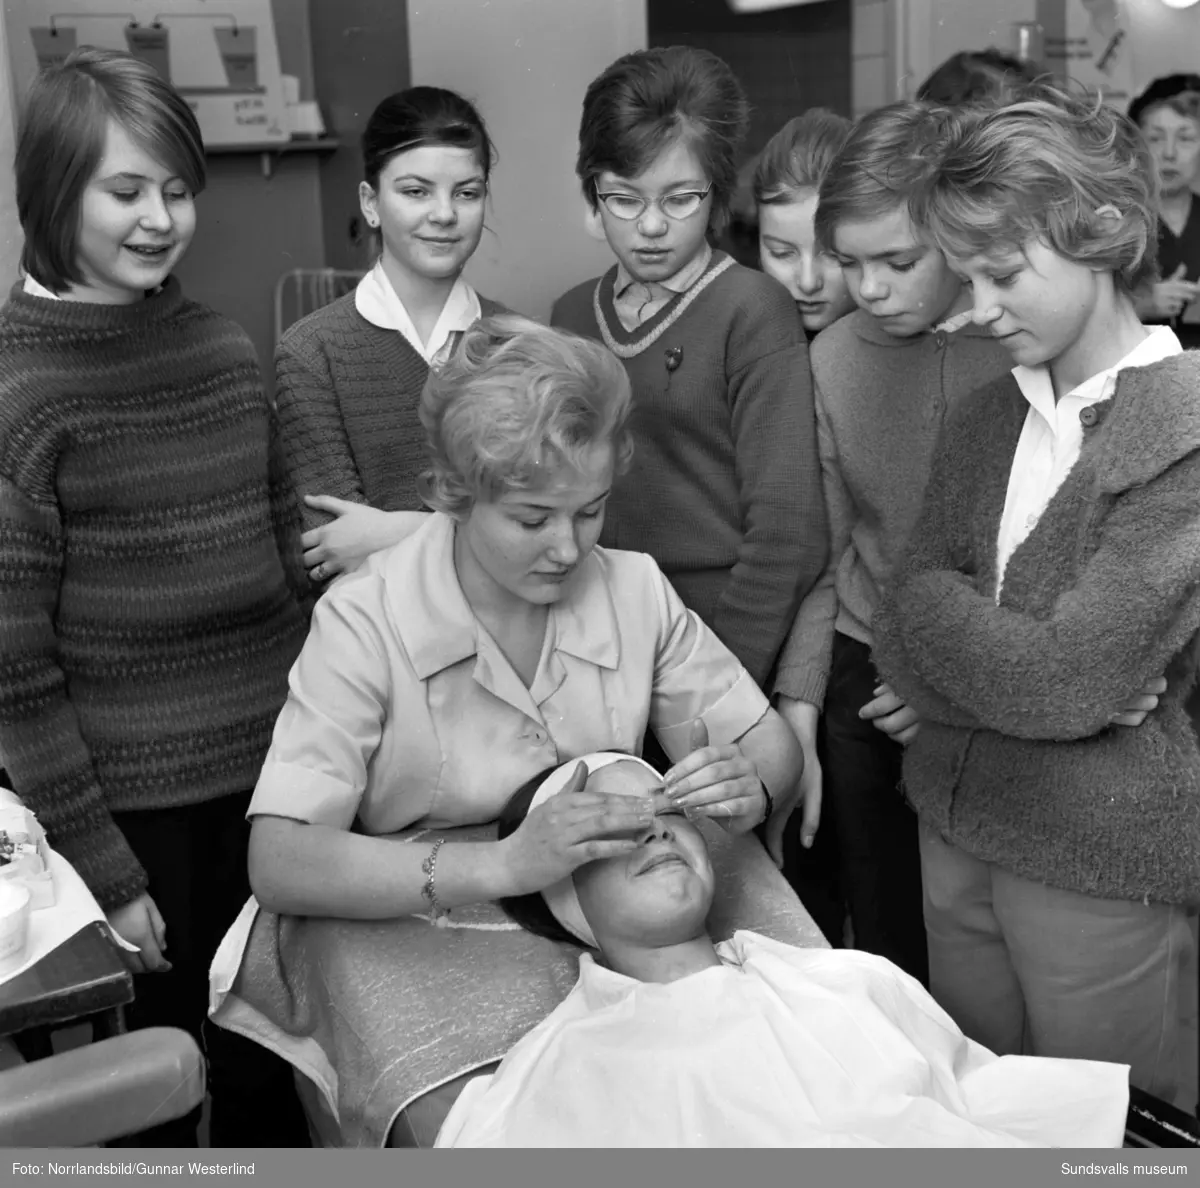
(221, 55)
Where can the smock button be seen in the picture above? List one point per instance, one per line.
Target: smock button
(1030, 521)
(1089, 416)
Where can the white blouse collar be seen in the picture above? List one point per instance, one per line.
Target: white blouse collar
(379, 303)
(36, 289)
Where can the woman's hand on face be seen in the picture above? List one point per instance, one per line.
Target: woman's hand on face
(355, 532)
(888, 713)
(571, 829)
(1135, 711)
(140, 923)
(718, 782)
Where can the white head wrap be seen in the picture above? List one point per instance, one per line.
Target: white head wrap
(560, 897)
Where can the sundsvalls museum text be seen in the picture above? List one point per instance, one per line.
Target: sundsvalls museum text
(132, 1168)
(1125, 1169)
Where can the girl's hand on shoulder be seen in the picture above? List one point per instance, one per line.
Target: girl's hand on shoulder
(891, 715)
(355, 532)
(1134, 713)
(718, 782)
(140, 923)
(569, 830)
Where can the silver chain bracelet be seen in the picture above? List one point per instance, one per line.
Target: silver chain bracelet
(429, 891)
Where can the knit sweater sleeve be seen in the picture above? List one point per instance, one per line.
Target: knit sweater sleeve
(939, 542)
(316, 446)
(1132, 610)
(41, 743)
(808, 653)
(784, 534)
(286, 518)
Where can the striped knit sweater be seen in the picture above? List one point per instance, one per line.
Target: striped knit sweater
(348, 396)
(725, 487)
(149, 569)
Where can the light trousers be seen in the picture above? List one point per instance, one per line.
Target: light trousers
(1024, 968)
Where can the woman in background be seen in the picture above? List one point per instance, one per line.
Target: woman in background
(1168, 113)
(350, 375)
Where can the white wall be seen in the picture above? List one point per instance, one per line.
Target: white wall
(10, 229)
(527, 63)
(1161, 40)
(929, 31)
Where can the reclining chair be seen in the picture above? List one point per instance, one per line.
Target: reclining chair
(104, 1091)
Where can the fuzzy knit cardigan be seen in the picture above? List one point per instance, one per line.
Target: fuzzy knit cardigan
(349, 393)
(150, 574)
(1016, 761)
(724, 490)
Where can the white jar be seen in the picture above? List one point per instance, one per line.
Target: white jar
(14, 924)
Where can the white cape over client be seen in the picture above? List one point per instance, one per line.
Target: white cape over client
(777, 1047)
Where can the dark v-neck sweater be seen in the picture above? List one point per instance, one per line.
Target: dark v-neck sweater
(724, 490)
(349, 393)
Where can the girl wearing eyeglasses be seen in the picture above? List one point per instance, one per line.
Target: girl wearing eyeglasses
(724, 490)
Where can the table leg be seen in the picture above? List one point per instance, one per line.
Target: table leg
(108, 1023)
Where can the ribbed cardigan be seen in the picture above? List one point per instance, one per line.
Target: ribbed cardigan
(149, 568)
(1016, 761)
(349, 393)
(724, 491)
(881, 402)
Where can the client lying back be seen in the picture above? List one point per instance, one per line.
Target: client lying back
(668, 1041)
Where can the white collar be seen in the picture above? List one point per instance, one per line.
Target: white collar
(379, 303)
(683, 280)
(36, 289)
(439, 629)
(1037, 387)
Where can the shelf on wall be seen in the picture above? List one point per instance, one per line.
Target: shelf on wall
(269, 150)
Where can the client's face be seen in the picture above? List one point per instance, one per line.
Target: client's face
(529, 543)
(661, 892)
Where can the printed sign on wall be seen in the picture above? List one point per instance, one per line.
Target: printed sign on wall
(1088, 41)
(221, 55)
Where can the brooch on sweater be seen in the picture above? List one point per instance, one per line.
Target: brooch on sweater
(636, 348)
